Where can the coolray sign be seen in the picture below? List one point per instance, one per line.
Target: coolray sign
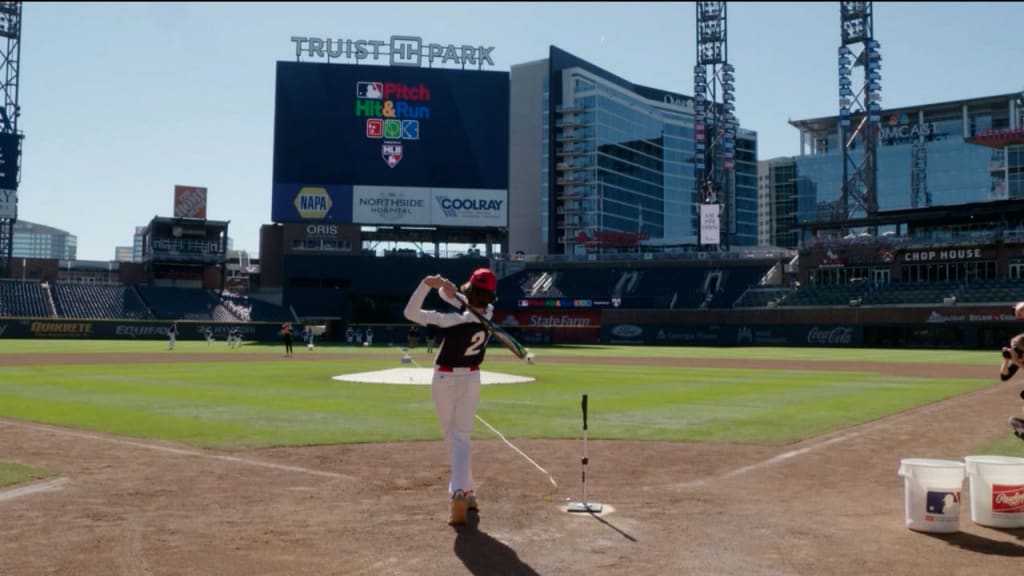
(397, 51)
(468, 207)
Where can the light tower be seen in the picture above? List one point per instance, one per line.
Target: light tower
(714, 123)
(10, 139)
(860, 111)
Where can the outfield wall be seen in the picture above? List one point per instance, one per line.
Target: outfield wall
(130, 329)
(955, 327)
(952, 327)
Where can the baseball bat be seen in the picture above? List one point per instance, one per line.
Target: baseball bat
(504, 337)
(584, 404)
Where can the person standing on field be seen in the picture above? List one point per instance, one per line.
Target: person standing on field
(1013, 360)
(286, 332)
(172, 335)
(455, 384)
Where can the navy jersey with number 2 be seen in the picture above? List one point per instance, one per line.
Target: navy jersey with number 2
(462, 338)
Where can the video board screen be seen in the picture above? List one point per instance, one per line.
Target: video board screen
(343, 129)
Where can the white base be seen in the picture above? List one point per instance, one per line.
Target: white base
(583, 507)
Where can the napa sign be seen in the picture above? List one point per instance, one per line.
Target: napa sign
(396, 51)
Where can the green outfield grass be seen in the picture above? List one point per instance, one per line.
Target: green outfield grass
(15, 473)
(262, 399)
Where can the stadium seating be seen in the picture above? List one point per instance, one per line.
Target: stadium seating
(23, 299)
(98, 301)
(173, 303)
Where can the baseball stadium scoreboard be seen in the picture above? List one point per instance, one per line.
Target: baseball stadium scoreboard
(390, 146)
(184, 247)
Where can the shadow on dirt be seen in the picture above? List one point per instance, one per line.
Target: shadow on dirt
(484, 555)
(983, 545)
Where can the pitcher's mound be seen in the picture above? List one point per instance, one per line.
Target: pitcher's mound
(422, 376)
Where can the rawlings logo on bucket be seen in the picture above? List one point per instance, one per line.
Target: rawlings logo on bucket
(1008, 499)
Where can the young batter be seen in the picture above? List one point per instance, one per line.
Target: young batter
(455, 386)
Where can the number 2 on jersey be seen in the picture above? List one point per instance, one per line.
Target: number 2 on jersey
(477, 342)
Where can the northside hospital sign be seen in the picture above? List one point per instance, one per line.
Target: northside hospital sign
(397, 51)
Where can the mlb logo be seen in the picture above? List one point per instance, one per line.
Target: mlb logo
(374, 128)
(616, 302)
(370, 90)
(392, 154)
(393, 129)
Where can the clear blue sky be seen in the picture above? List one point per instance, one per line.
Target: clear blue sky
(121, 101)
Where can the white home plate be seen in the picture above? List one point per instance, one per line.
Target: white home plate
(422, 376)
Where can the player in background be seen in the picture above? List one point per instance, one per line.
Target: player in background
(287, 334)
(455, 384)
(1013, 360)
(172, 335)
(208, 335)
(369, 336)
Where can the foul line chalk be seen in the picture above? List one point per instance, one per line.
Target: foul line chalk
(178, 451)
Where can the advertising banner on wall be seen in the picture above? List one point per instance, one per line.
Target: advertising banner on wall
(441, 207)
(189, 202)
(710, 224)
(385, 126)
(466, 207)
(312, 203)
(383, 205)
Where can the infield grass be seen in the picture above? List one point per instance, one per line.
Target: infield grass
(16, 473)
(257, 398)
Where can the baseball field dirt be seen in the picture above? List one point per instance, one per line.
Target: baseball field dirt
(831, 505)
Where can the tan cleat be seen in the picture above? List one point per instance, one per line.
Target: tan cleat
(471, 501)
(460, 509)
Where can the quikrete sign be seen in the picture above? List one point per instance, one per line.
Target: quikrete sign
(396, 51)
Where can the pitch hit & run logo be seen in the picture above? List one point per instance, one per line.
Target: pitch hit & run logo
(393, 111)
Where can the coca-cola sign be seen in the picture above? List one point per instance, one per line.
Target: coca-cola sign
(837, 336)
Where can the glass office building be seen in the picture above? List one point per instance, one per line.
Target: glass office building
(610, 165)
(931, 155)
(37, 241)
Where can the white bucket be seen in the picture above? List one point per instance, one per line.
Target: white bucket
(932, 489)
(997, 490)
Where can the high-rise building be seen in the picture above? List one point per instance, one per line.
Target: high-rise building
(940, 154)
(599, 164)
(32, 240)
(138, 243)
